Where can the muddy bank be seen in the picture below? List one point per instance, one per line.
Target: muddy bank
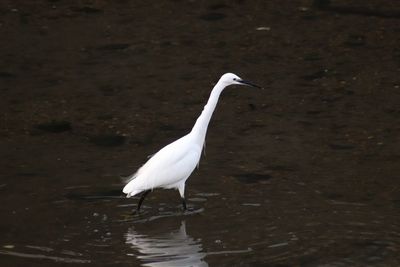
(305, 171)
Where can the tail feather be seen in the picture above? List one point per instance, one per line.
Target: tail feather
(129, 178)
(133, 193)
(130, 190)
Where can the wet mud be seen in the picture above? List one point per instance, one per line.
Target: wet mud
(302, 173)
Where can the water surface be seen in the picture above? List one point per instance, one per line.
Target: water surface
(303, 173)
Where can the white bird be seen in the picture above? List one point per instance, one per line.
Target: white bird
(172, 165)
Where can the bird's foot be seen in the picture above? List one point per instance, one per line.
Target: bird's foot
(188, 210)
(136, 212)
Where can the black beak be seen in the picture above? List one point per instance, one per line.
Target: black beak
(249, 83)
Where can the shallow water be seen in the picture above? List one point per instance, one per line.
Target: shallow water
(100, 229)
(303, 173)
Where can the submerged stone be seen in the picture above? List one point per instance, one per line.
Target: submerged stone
(107, 140)
(54, 126)
(250, 178)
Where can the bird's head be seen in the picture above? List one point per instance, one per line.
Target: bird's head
(230, 79)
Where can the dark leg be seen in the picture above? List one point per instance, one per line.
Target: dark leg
(184, 204)
(142, 197)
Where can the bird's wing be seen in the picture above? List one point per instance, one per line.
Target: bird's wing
(178, 171)
(156, 158)
(169, 166)
(173, 163)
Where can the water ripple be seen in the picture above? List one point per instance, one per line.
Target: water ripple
(171, 249)
(41, 256)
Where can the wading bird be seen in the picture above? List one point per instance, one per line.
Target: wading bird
(172, 165)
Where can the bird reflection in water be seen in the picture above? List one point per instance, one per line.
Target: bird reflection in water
(171, 249)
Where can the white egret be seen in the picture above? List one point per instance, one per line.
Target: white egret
(172, 165)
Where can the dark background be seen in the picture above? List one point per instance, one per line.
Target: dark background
(304, 172)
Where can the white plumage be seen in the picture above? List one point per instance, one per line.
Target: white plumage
(172, 165)
(168, 168)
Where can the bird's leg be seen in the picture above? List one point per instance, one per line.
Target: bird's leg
(181, 189)
(184, 204)
(142, 197)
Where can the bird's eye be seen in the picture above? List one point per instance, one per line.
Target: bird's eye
(234, 79)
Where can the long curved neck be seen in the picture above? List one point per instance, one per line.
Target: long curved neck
(199, 129)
